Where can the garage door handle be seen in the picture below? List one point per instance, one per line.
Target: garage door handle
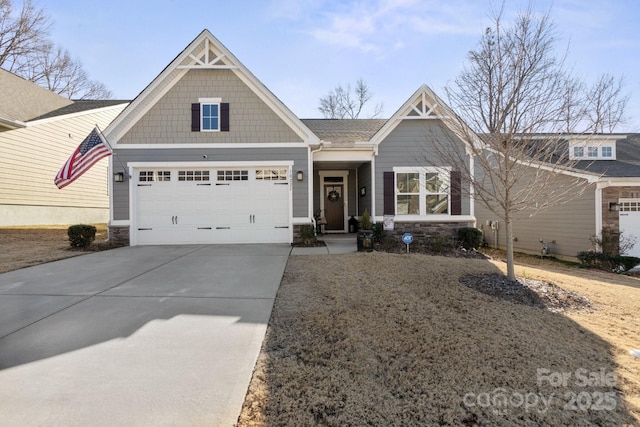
(144, 185)
(203, 184)
(223, 228)
(281, 183)
(204, 228)
(144, 229)
(282, 226)
(217, 183)
(176, 219)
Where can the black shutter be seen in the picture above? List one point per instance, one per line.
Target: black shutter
(195, 117)
(224, 117)
(456, 192)
(389, 179)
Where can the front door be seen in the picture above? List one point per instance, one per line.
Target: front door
(334, 206)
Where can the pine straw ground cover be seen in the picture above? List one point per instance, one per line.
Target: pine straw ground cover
(389, 339)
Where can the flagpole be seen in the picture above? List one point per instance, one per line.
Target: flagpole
(106, 141)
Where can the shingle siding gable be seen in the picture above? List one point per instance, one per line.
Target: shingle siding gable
(169, 120)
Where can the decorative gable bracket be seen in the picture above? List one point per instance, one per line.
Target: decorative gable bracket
(209, 60)
(422, 109)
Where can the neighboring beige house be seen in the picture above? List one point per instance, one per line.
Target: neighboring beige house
(38, 132)
(611, 164)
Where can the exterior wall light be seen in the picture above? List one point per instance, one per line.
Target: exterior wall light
(613, 206)
(118, 177)
(300, 175)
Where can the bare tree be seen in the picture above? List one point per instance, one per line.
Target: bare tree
(343, 103)
(57, 71)
(26, 51)
(606, 103)
(516, 101)
(21, 34)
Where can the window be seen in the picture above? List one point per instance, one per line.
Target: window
(210, 117)
(592, 151)
(607, 152)
(271, 175)
(193, 175)
(408, 193)
(578, 151)
(422, 192)
(437, 193)
(151, 176)
(233, 175)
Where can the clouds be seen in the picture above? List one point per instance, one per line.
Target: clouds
(380, 25)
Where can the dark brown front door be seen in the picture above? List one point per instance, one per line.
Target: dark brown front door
(334, 206)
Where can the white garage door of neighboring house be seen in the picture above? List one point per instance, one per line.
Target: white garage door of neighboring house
(209, 205)
(630, 222)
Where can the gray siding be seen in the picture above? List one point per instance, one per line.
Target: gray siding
(297, 155)
(364, 180)
(169, 120)
(570, 224)
(412, 143)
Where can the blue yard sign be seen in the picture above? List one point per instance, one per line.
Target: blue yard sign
(407, 239)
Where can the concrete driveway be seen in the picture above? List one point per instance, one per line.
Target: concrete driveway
(156, 335)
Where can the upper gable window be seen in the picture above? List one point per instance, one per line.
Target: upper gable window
(592, 149)
(210, 115)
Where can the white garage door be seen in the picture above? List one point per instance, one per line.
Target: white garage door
(630, 223)
(202, 206)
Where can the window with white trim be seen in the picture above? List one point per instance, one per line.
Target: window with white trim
(233, 175)
(193, 175)
(607, 151)
(271, 174)
(578, 152)
(154, 176)
(422, 191)
(592, 149)
(592, 152)
(210, 117)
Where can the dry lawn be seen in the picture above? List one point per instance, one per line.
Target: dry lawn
(27, 246)
(388, 339)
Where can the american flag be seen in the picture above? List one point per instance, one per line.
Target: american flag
(86, 155)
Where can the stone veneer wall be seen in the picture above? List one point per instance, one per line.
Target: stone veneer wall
(426, 230)
(297, 239)
(612, 194)
(119, 234)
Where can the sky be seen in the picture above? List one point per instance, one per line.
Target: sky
(302, 49)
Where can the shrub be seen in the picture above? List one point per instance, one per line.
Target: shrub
(81, 235)
(618, 263)
(365, 220)
(307, 234)
(470, 237)
(378, 232)
(440, 243)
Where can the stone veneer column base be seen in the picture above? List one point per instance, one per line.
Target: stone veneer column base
(119, 234)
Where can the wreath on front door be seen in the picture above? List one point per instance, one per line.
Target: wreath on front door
(333, 196)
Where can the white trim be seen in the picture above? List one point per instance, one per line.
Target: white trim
(422, 189)
(343, 156)
(120, 223)
(430, 218)
(73, 115)
(373, 187)
(598, 197)
(213, 145)
(209, 100)
(213, 164)
(300, 221)
(472, 192)
(345, 194)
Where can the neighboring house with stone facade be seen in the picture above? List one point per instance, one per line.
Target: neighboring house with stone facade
(610, 163)
(210, 155)
(39, 130)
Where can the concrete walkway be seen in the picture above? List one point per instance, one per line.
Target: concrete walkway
(143, 336)
(335, 244)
